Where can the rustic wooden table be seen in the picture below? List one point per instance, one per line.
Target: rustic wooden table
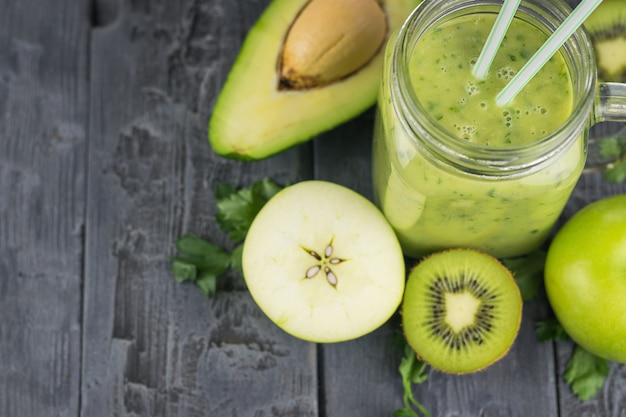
(104, 162)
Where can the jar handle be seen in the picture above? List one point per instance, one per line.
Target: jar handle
(610, 106)
(611, 103)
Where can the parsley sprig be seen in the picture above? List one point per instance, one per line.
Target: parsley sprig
(237, 208)
(413, 371)
(613, 150)
(203, 262)
(550, 330)
(585, 373)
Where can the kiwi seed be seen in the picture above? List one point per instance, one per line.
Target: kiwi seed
(461, 310)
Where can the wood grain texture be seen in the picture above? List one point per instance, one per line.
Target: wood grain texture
(43, 121)
(104, 162)
(151, 346)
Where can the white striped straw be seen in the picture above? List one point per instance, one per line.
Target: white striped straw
(547, 50)
(490, 49)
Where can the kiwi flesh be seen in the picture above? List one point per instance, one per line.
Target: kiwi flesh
(607, 27)
(461, 310)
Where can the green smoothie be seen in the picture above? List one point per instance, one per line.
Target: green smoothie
(433, 206)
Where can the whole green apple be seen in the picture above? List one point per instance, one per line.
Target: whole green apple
(585, 277)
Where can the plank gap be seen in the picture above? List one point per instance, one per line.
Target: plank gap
(103, 12)
(321, 391)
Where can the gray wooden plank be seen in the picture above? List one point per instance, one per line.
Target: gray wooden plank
(43, 97)
(343, 155)
(151, 346)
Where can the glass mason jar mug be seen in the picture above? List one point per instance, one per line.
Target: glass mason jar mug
(453, 169)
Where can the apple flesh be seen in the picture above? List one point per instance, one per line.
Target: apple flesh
(322, 263)
(585, 277)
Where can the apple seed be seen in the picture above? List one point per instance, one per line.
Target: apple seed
(324, 261)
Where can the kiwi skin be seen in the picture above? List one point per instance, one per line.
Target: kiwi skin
(607, 28)
(507, 291)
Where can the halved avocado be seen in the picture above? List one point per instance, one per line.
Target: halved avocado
(256, 116)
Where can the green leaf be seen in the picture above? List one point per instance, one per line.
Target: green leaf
(199, 261)
(207, 283)
(235, 258)
(236, 210)
(528, 272)
(585, 373)
(609, 147)
(235, 214)
(223, 190)
(404, 412)
(193, 245)
(550, 329)
(615, 173)
(266, 188)
(203, 254)
(183, 271)
(615, 149)
(413, 371)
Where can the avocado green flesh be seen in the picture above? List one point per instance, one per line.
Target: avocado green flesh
(253, 119)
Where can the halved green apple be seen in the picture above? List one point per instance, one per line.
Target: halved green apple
(323, 263)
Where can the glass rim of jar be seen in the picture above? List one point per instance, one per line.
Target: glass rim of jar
(480, 159)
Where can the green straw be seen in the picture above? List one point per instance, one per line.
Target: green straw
(490, 49)
(547, 50)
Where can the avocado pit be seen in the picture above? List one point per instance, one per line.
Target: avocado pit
(329, 40)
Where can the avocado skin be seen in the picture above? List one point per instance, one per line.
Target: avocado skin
(254, 119)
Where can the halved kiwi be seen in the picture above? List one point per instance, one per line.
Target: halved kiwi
(461, 310)
(607, 27)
